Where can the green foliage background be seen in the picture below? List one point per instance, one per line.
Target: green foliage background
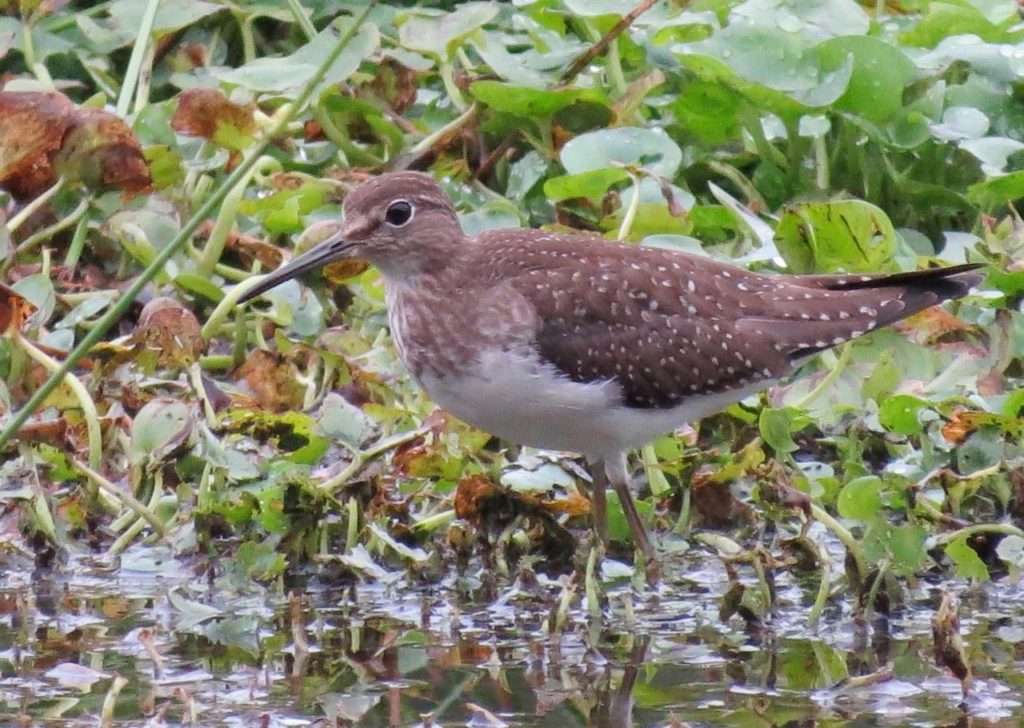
(814, 137)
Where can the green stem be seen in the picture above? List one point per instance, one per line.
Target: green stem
(630, 215)
(28, 210)
(845, 537)
(89, 413)
(360, 457)
(187, 230)
(301, 19)
(354, 154)
(214, 247)
(452, 126)
(828, 379)
(77, 243)
(825, 567)
(138, 57)
(447, 69)
(135, 529)
(47, 232)
(869, 602)
(967, 531)
(124, 497)
(821, 170)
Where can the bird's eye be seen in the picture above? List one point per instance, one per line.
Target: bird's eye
(398, 213)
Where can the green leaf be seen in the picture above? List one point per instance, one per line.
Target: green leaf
(440, 36)
(651, 149)
(884, 378)
(881, 73)
(159, 428)
(778, 425)
(968, 564)
(860, 499)
(591, 185)
(828, 237)
(900, 414)
(536, 103)
(287, 74)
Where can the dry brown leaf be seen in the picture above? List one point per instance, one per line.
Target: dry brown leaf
(948, 644)
(14, 310)
(44, 135)
(32, 127)
(208, 113)
(960, 425)
(170, 331)
(273, 380)
(100, 150)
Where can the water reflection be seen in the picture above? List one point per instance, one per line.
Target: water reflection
(402, 656)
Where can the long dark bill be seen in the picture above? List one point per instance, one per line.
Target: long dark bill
(331, 249)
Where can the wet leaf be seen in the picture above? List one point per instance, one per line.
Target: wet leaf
(441, 35)
(831, 237)
(947, 642)
(968, 564)
(160, 427)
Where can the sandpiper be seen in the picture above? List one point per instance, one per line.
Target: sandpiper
(573, 342)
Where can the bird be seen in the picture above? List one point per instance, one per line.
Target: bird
(572, 342)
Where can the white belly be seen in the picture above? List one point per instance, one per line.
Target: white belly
(516, 397)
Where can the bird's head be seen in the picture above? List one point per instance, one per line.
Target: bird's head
(403, 223)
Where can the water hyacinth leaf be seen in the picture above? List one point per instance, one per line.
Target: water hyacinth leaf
(881, 73)
(650, 149)
(984, 449)
(285, 75)
(159, 428)
(541, 479)
(37, 289)
(1011, 550)
(839, 236)
(441, 35)
(591, 185)
(414, 554)
(192, 612)
(536, 103)
(861, 498)
(903, 545)
(884, 378)
(992, 152)
(993, 193)
(492, 215)
(259, 561)
(597, 8)
(341, 420)
(968, 564)
(961, 122)
(944, 19)
(710, 110)
(779, 71)
(900, 413)
(778, 425)
(524, 174)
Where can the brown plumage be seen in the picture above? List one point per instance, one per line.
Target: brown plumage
(575, 342)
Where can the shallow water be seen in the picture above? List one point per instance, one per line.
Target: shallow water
(393, 653)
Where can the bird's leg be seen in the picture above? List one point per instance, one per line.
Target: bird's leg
(598, 503)
(619, 477)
